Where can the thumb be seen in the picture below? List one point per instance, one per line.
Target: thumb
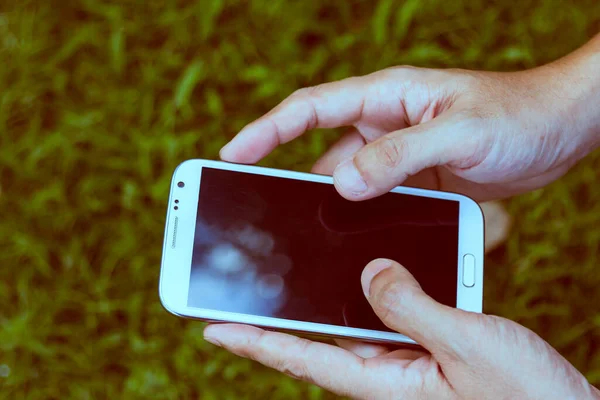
(387, 162)
(401, 304)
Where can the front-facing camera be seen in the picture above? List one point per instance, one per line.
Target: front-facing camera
(181, 184)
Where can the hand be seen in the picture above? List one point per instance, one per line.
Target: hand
(497, 220)
(468, 355)
(484, 134)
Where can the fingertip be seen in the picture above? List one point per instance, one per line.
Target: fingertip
(228, 335)
(250, 145)
(211, 335)
(371, 270)
(348, 180)
(238, 150)
(224, 153)
(351, 185)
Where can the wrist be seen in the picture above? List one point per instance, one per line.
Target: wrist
(576, 88)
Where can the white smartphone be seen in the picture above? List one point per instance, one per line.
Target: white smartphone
(283, 250)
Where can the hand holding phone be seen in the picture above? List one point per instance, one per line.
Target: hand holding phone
(448, 132)
(283, 250)
(466, 355)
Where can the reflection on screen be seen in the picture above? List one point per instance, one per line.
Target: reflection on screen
(293, 249)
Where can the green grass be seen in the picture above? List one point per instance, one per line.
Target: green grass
(100, 100)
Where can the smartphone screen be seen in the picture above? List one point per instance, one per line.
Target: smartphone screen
(293, 249)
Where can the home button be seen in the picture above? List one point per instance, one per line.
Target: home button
(468, 277)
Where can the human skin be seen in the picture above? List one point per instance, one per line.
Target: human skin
(488, 135)
(466, 355)
(485, 134)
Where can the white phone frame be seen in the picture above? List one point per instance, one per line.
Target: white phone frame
(179, 239)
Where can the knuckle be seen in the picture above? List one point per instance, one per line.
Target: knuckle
(296, 367)
(310, 92)
(300, 94)
(261, 343)
(392, 299)
(314, 91)
(310, 96)
(407, 75)
(402, 70)
(390, 152)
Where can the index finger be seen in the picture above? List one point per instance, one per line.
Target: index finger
(329, 105)
(328, 366)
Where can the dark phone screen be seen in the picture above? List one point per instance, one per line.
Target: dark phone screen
(292, 249)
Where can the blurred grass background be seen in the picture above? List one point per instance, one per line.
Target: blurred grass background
(100, 100)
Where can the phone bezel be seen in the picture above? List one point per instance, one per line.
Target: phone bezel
(177, 253)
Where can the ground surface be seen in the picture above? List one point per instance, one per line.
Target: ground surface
(100, 100)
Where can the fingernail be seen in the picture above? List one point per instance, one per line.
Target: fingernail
(371, 270)
(348, 178)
